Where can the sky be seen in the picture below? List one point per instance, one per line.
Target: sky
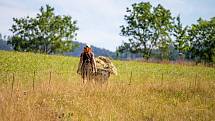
(99, 21)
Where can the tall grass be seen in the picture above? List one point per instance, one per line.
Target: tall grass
(154, 92)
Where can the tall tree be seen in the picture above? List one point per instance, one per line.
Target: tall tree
(46, 33)
(147, 28)
(202, 38)
(181, 38)
(163, 25)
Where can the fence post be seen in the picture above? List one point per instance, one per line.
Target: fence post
(50, 77)
(195, 81)
(74, 67)
(12, 84)
(162, 79)
(130, 78)
(33, 79)
(5, 80)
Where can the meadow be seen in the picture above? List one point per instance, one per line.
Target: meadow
(37, 87)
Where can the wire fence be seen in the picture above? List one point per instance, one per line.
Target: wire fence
(31, 79)
(125, 76)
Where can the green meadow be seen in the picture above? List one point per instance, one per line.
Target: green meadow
(37, 87)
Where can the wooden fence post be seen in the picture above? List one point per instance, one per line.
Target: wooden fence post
(74, 67)
(7, 78)
(130, 78)
(50, 77)
(162, 79)
(12, 84)
(33, 79)
(195, 81)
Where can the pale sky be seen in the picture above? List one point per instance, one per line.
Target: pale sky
(99, 20)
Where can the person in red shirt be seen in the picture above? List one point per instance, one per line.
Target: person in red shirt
(87, 64)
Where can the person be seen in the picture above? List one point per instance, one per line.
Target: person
(87, 64)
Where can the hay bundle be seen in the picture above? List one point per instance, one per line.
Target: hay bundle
(104, 68)
(105, 64)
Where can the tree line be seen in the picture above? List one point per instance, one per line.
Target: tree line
(151, 28)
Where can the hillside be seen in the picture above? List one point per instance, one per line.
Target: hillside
(104, 52)
(98, 51)
(46, 87)
(3, 45)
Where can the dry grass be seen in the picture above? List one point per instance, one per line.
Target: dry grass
(156, 92)
(178, 101)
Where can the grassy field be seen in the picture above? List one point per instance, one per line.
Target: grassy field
(35, 87)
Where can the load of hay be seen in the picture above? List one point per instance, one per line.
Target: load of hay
(104, 69)
(105, 64)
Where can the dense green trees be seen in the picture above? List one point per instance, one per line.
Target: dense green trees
(46, 33)
(202, 38)
(154, 28)
(147, 28)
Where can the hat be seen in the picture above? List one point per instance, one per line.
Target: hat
(87, 45)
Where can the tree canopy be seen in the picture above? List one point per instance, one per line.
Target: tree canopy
(147, 28)
(202, 39)
(45, 33)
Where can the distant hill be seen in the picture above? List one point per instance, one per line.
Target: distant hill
(4, 46)
(104, 52)
(97, 51)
